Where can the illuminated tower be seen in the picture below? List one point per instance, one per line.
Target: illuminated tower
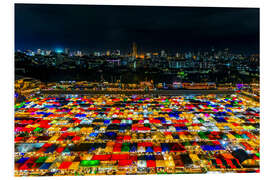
(134, 50)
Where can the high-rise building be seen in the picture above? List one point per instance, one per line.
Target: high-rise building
(163, 53)
(97, 54)
(38, 51)
(108, 53)
(188, 55)
(30, 52)
(148, 55)
(67, 51)
(212, 51)
(226, 52)
(134, 50)
(134, 64)
(42, 52)
(79, 53)
(118, 52)
(47, 52)
(155, 54)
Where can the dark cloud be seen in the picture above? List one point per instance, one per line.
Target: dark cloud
(101, 27)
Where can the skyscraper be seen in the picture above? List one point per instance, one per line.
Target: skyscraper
(39, 51)
(134, 50)
(96, 53)
(42, 52)
(47, 52)
(108, 53)
(148, 55)
(118, 52)
(30, 52)
(67, 51)
(79, 53)
(163, 53)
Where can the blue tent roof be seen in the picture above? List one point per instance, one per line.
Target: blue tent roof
(22, 160)
(45, 166)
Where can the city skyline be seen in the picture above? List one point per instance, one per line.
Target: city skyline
(129, 51)
(117, 27)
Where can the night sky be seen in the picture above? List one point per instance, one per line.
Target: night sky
(152, 28)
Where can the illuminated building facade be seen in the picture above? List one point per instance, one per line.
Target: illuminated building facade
(134, 50)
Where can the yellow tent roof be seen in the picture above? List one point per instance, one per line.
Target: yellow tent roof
(74, 165)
